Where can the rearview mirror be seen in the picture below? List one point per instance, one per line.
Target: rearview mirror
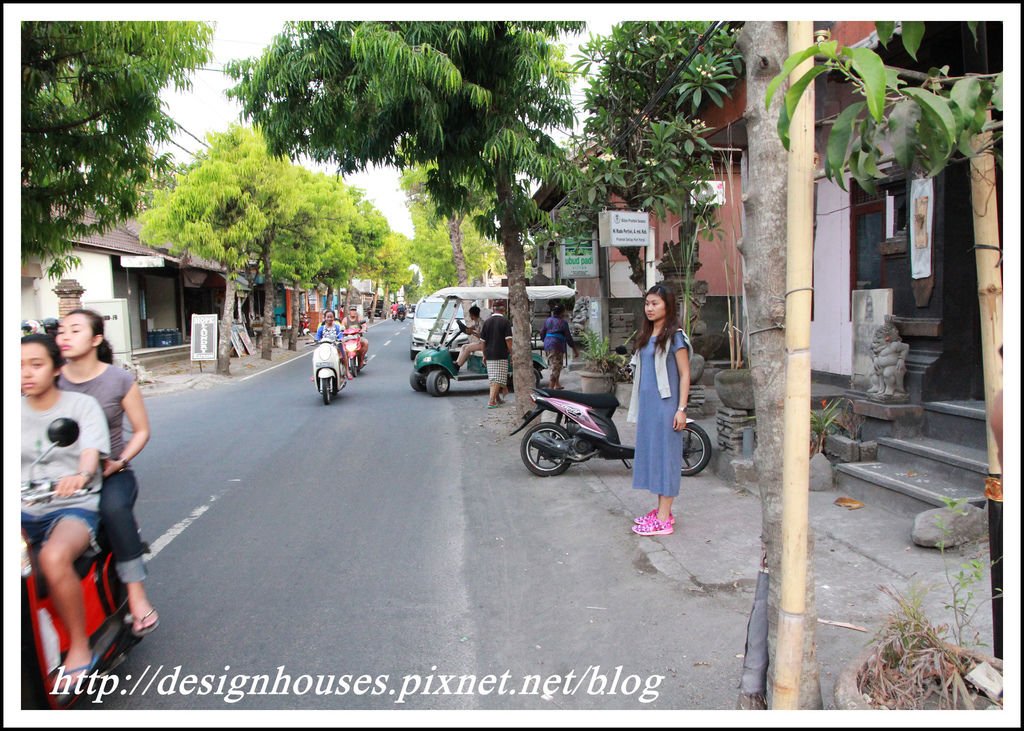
(63, 432)
(621, 349)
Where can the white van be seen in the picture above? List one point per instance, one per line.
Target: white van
(423, 319)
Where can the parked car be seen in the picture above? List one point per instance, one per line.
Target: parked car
(425, 314)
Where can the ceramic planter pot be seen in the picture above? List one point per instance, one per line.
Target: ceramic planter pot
(591, 382)
(735, 388)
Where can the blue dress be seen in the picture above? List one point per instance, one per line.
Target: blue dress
(659, 449)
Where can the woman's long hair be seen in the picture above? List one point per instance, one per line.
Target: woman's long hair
(643, 335)
(103, 351)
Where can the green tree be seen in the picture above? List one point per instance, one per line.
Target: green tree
(477, 98)
(90, 118)
(226, 208)
(439, 245)
(642, 145)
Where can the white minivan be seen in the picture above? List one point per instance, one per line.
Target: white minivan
(423, 319)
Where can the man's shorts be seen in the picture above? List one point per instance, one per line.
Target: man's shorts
(497, 371)
(39, 527)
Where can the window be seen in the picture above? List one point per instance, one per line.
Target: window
(867, 223)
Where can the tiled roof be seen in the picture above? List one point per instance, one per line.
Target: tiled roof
(124, 238)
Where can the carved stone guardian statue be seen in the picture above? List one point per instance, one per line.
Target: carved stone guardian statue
(889, 365)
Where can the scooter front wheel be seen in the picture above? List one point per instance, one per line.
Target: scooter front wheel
(696, 450)
(539, 461)
(326, 388)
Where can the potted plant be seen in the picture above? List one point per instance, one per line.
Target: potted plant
(600, 363)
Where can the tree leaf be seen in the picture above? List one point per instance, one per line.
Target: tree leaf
(965, 96)
(787, 68)
(871, 70)
(797, 90)
(839, 140)
(885, 29)
(903, 131)
(913, 32)
(936, 109)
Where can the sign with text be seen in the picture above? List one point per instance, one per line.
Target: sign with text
(141, 262)
(204, 337)
(579, 259)
(624, 228)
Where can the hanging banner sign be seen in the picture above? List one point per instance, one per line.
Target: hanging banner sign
(624, 228)
(579, 259)
(204, 337)
(141, 262)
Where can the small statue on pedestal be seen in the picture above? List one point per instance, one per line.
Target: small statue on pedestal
(889, 364)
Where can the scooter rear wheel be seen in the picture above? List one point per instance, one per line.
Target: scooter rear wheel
(696, 450)
(539, 463)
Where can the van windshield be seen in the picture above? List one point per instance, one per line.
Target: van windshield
(429, 310)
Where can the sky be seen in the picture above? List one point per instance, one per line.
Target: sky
(205, 108)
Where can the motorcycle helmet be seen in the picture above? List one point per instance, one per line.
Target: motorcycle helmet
(50, 325)
(30, 327)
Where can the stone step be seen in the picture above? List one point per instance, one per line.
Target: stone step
(955, 462)
(902, 491)
(962, 422)
(149, 357)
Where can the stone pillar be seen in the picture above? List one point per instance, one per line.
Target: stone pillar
(69, 293)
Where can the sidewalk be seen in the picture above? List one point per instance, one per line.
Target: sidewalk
(716, 549)
(716, 546)
(183, 375)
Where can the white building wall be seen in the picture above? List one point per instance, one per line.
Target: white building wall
(94, 274)
(831, 329)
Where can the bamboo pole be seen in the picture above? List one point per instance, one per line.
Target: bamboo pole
(797, 435)
(990, 294)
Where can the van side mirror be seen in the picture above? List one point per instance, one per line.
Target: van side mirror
(621, 349)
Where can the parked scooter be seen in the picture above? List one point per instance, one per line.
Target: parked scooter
(44, 641)
(327, 372)
(351, 340)
(583, 428)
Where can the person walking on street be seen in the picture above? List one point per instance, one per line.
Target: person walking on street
(557, 337)
(661, 387)
(497, 337)
(89, 369)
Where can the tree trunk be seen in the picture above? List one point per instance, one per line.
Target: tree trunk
(762, 247)
(518, 301)
(327, 299)
(267, 349)
(293, 340)
(226, 318)
(455, 236)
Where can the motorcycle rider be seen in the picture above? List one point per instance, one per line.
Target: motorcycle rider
(352, 320)
(330, 331)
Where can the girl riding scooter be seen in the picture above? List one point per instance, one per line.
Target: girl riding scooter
(65, 526)
(331, 331)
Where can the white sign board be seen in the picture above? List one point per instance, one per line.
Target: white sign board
(624, 228)
(204, 337)
(140, 262)
(579, 259)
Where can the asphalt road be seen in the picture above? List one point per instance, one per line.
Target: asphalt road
(389, 551)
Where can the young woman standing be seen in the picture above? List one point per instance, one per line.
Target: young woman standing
(88, 370)
(661, 387)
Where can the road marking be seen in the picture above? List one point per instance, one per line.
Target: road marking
(175, 530)
(267, 370)
(387, 343)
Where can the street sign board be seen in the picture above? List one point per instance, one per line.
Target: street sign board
(579, 259)
(141, 262)
(204, 337)
(624, 228)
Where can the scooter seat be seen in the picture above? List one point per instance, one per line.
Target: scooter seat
(605, 402)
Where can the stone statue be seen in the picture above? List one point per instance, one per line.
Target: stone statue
(580, 315)
(889, 364)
